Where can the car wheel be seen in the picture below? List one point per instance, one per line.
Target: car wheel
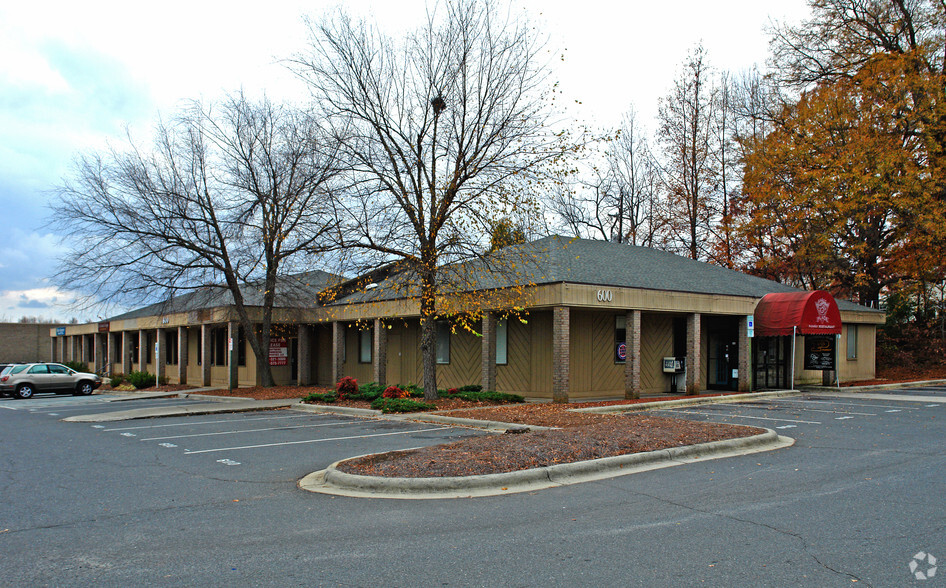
(84, 389)
(24, 391)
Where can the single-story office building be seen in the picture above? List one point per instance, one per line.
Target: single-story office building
(595, 320)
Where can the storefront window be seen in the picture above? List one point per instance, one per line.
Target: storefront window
(364, 346)
(501, 338)
(620, 338)
(443, 342)
(852, 341)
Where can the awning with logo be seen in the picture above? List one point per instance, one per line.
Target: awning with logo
(804, 313)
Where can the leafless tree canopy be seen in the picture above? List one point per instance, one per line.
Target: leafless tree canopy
(437, 128)
(229, 195)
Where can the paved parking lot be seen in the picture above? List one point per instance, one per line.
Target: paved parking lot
(212, 500)
(257, 443)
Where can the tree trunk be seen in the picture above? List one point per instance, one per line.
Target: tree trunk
(428, 334)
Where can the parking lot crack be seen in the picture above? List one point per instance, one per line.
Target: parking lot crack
(797, 536)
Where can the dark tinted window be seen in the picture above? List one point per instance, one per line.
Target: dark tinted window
(39, 369)
(57, 369)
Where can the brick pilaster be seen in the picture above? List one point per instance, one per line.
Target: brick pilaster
(338, 348)
(304, 349)
(379, 354)
(182, 355)
(745, 356)
(694, 361)
(233, 354)
(488, 352)
(204, 352)
(632, 365)
(561, 360)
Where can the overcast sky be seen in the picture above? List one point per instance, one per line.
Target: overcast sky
(74, 75)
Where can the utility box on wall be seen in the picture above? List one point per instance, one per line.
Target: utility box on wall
(676, 368)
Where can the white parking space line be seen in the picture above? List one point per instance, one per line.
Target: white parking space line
(233, 420)
(188, 452)
(797, 408)
(741, 416)
(283, 428)
(781, 400)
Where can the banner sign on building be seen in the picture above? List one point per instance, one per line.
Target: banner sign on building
(60, 331)
(278, 352)
(105, 327)
(819, 352)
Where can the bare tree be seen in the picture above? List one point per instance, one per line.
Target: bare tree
(686, 133)
(229, 197)
(439, 129)
(619, 202)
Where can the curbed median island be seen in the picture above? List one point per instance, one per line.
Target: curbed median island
(581, 447)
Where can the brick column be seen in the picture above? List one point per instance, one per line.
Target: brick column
(694, 360)
(488, 352)
(161, 357)
(182, 355)
(745, 356)
(204, 352)
(52, 348)
(338, 343)
(305, 355)
(233, 354)
(379, 353)
(561, 360)
(126, 352)
(97, 363)
(63, 343)
(632, 365)
(142, 350)
(82, 348)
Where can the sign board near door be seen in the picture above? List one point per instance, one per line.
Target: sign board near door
(278, 352)
(819, 352)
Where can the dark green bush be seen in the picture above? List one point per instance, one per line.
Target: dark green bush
(470, 388)
(414, 390)
(367, 392)
(490, 396)
(141, 380)
(116, 380)
(79, 366)
(316, 397)
(400, 405)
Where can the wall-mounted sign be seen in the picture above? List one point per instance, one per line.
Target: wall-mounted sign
(819, 352)
(621, 351)
(105, 327)
(278, 351)
(605, 296)
(60, 331)
(750, 324)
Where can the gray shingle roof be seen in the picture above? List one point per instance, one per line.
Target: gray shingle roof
(558, 259)
(295, 291)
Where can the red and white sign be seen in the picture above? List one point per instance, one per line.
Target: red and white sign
(278, 352)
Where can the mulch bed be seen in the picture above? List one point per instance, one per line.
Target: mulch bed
(606, 436)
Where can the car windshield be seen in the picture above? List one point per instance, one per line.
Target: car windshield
(17, 369)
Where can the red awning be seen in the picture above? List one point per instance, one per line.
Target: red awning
(810, 313)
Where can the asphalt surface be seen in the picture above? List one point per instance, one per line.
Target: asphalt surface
(212, 500)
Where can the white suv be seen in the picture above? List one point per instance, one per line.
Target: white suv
(24, 380)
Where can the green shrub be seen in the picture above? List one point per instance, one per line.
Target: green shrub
(141, 380)
(490, 396)
(79, 366)
(470, 388)
(116, 380)
(413, 390)
(395, 392)
(400, 405)
(316, 397)
(367, 392)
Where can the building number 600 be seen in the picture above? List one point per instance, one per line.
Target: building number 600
(605, 296)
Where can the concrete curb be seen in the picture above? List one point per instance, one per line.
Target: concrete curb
(345, 410)
(918, 384)
(335, 482)
(193, 409)
(473, 423)
(660, 404)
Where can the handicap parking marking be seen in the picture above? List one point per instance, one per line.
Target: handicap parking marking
(236, 432)
(228, 462)
(305, 441)
(168, 445)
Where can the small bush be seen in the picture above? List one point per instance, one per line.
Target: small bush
(345, 387)
(367, 392)
(490, 396)
(395, 392)
(413, 390)
(470, 388)
(116, 380)
(387, 405)
(141, 380)
(79, 366)
(317, 397)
